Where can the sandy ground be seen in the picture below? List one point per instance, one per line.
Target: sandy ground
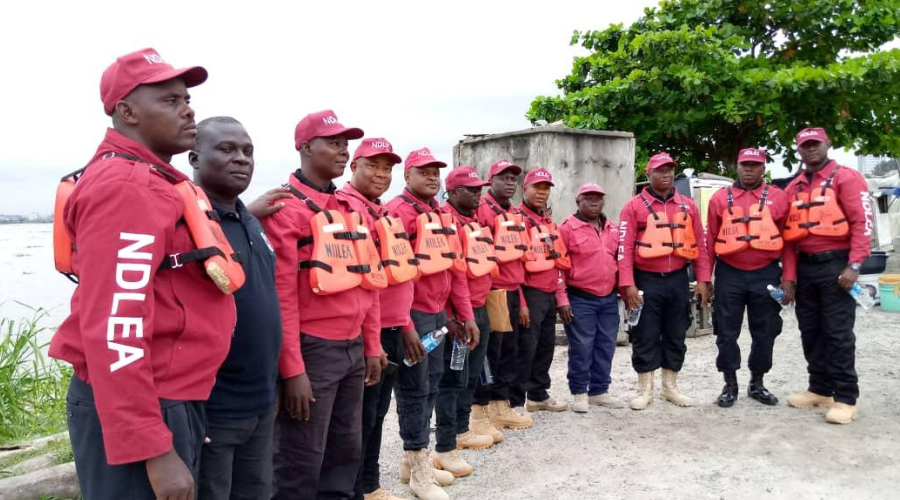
(747, 451)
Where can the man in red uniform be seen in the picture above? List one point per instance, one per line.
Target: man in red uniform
(458, 386)
(431, 292)
(658, 338)
(544, 293)
(742, 277)
(331, 342)
(506, 309)
(145, 339)
(372, 168)
(827, 269)
(592, 318)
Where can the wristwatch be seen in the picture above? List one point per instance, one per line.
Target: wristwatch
(854, 266)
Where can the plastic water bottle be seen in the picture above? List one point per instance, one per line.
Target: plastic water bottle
(430, 341)
(487, 378)
(458, 356)
(861, 296)
(634, 316)
(776, 293)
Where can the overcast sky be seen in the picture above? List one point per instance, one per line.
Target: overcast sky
(417, 73)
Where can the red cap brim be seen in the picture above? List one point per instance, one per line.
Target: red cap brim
(350, 133)
(394, 158)
(192, 76)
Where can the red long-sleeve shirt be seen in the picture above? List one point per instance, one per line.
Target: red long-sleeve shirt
(751, 258)
(340, 316)
(478, 287)
(632, 221)
(431, 292)
(593, 255)
(395, 300)
(551, 280)
(852, 193)
(137, 333)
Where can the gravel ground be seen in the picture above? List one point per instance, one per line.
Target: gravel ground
(666, 452)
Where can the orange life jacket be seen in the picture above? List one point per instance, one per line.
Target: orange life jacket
(432, 245)
(662, 238)
(220, 261)
(509, 234)
(459, 260)
(819, 214)
(334, 265)
(732, 237)
(763, 232)
(755, 229)
(544, 254)
(203, 223)
(478, 248)
(397, 256)
(376, 278)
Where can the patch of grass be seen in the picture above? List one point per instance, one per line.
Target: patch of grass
(32, 386)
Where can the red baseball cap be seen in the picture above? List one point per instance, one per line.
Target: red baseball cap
(322, 124)
(376, 146)
(421, 158)
(141, 68)
(812, 134)
(659, 160)
(464, 176)
(590, 187)
(752, 155)
(500, 166)
(538, 175)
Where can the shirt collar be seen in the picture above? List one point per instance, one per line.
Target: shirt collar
(330, 189)
(658, 197)
(240, 210)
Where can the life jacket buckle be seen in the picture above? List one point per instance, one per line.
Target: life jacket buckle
(175, 261)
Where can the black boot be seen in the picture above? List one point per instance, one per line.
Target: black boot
(758, 391)
(729, 392)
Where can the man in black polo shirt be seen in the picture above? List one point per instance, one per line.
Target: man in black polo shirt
(237, 460)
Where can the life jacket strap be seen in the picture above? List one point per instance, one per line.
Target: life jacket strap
(176, 260)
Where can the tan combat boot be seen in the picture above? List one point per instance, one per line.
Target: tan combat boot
(670, 390)
(472, 441)
(810, 400)
(380, 494)
(644, 391)
(502, 416)
(480, 423)
(453, 463)
(443, 477)
(841, 413)
(548, 404)
(421, 480)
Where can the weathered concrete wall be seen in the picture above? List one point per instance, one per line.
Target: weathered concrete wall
(574, 156)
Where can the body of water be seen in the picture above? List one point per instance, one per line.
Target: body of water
(28, 277)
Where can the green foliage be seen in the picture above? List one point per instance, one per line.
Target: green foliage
(59, 449)
(32, 387)
(703, 79)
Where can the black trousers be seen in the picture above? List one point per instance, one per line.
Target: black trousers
(658, 338)
(454, 401)
(826, 314)
(428, 322)
(99, 480)
(376, 403)
(737, 290)
(319, 458)
(502, 356)
(536, 346)
(237, 462)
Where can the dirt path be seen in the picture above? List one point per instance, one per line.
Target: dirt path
(748, 451)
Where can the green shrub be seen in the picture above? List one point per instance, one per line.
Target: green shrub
(32, 386)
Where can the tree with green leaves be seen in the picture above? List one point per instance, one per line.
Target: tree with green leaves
(703, 79)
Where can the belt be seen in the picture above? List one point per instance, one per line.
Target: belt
(825, 256)
(661, 275)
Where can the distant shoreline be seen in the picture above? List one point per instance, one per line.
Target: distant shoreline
(38, 221)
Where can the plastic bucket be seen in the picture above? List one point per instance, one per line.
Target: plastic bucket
(889, 286)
